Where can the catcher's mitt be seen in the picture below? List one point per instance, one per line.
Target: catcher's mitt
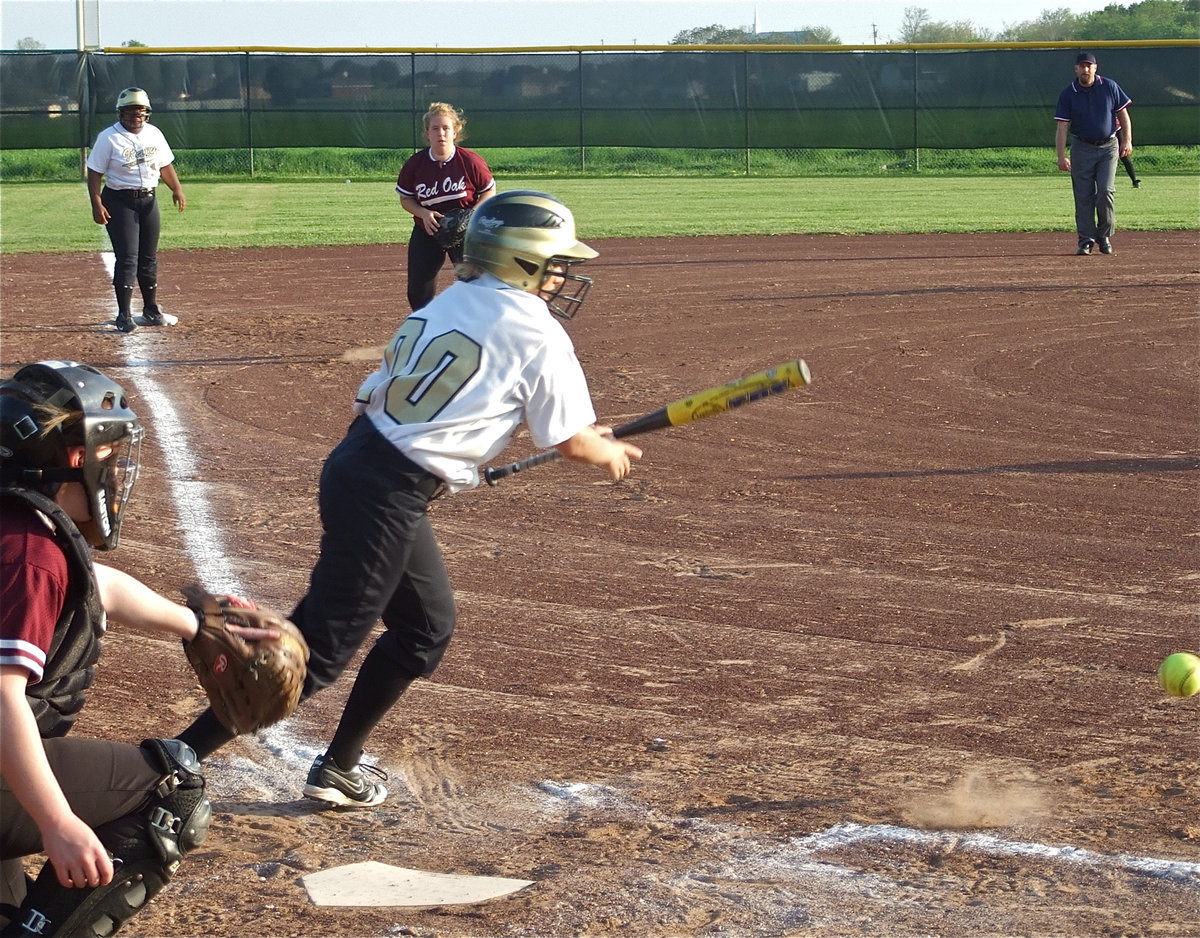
(452, 227)
(250, 684)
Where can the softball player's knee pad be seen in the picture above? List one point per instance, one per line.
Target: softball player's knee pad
(179, 816)
(146, 849)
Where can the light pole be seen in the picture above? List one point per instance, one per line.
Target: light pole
(81, 47)
(81, 28)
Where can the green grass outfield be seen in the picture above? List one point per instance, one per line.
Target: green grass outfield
(56, 217)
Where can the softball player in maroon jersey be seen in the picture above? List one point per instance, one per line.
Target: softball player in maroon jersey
(113, 820)
(442, 177)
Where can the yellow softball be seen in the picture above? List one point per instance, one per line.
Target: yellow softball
(1179, 674)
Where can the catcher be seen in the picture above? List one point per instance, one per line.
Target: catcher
(69, 456)
(440, 186)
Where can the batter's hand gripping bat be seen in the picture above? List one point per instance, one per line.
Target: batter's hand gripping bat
(793, 374)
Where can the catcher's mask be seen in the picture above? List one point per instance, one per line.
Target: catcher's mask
(48, 407)
(527, 239)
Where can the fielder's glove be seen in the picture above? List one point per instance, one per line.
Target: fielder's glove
(250, 684)
(452, 227)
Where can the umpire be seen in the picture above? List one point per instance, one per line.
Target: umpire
(1096, 112)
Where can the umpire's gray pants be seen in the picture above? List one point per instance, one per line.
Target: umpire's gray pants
(1094, 181)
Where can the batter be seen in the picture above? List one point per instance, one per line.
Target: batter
(455, 382)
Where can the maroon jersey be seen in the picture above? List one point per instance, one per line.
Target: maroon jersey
(443, 187)
(34, 585)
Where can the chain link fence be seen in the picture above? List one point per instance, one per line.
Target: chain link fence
(715, 112)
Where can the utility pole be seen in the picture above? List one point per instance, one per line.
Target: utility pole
(81, 46)
(81, 25)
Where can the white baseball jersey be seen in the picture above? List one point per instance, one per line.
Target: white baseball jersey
(461, 375)
(130, 161)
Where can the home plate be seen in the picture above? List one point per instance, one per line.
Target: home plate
(371, 883)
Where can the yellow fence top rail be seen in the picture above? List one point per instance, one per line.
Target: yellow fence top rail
(891, 47)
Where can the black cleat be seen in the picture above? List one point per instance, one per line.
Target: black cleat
(348, 787)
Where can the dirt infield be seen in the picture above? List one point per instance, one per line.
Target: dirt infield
(874, 658)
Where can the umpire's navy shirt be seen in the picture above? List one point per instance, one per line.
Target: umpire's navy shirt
(1090, 110)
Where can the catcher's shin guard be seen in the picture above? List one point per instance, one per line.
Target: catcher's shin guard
(146, 850)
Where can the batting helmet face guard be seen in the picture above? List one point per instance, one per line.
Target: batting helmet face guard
(49, 407)
(527, 239)
(133, 97)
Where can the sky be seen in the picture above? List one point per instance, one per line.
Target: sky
(474, 23)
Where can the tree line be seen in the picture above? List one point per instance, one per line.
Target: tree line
(1150, 19)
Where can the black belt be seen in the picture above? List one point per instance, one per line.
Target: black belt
(423, 482)
(133, 193)
(1095, 143)
(429, 485)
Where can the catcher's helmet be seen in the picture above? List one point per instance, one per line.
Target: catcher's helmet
(49, 406)
(133, 97)
(526, 237)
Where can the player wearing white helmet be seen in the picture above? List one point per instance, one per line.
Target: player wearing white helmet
(458, 378)
(123, 170)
